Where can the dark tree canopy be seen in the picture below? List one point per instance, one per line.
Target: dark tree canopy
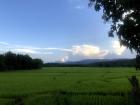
(12, 61)
(125, 18)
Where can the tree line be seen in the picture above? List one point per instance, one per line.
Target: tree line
(12, 61)
(114, 63)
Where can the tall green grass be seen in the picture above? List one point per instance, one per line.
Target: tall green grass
(71, 85)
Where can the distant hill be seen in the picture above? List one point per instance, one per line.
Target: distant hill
(89, 61)
(95, 63)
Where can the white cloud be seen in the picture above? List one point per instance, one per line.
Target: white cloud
(25, 50)
(75, 52)
(71, 1)
(77, 4)
(64, 59)
(60, 49)
(4, 43)
(79, 7)
(118, 49)
(89, 51)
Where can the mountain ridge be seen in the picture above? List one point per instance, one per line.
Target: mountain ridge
(122, 62)
(91, 61)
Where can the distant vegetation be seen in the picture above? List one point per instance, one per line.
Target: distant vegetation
(12, 61)
(111, 63)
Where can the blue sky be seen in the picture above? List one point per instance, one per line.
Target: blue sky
(56, 30)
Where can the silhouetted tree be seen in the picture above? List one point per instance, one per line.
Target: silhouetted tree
(37, 63)
(11, 61)
(125, 18)
(138, 62)
(2, 64)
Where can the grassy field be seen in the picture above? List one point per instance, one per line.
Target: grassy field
(67, 86)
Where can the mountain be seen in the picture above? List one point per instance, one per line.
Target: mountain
(89, 61)
(95, 63)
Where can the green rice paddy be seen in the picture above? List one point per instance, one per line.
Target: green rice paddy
(67, 86)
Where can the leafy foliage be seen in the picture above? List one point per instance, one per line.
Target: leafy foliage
(11, 61)
(125, 18)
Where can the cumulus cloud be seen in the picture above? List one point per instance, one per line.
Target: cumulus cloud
(89, 51)
(118, 49)
(64, 59)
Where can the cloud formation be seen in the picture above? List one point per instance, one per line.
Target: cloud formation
(79, 7)
(75, 52)
(64, 59)
(25, 50)
(118, 49)
(3, 43)
(77, 4)
(88, 51)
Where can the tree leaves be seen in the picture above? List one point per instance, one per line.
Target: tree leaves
(125, 18)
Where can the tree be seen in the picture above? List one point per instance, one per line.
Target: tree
(37, 63)
(124, 16)
(2, 64)
(12, 61)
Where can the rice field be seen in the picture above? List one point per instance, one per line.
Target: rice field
(67, 86)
